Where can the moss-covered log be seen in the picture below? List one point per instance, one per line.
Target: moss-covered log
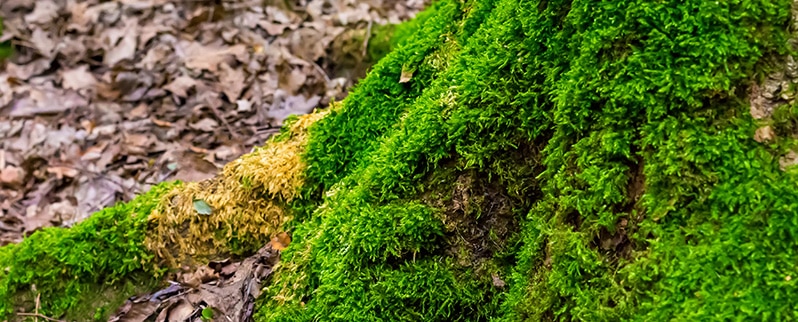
(508, 160)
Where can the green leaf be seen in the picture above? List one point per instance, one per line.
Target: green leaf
(207, 313)
(202, 207)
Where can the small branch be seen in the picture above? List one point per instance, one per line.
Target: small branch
(366, 41)
(37, 315)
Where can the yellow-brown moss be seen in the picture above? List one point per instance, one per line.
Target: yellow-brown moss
(247, 200)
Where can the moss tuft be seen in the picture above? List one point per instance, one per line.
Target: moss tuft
(247, 201)
(61, 265)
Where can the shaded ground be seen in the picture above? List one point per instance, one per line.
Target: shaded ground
(105, 98)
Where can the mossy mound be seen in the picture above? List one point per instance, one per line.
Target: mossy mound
(528, 160)
(66, 268)
(617, 166)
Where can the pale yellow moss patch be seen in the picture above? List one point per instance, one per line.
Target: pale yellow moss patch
(247, 201)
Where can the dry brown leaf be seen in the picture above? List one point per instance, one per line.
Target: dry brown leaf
(193, 168)
(232, 81)
(43, 12)
(78, 78)
(281, 241)
(6, 92)
(294, 81)
(203, 274)
(137, 140)
(180, 311)
(95, 152)
(156, 56)
(82, 19)
(206, 125)
(46, 101)
(25, 72)
(10, 5)
(407, 74)
(139, 111)
(764, 134)
(181, 85)
(125, 47)
(61, 172)
(43, 42)
(11, 176)
(36, 219)
(199, 57)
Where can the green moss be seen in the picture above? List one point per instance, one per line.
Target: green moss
(596, 157)
(620, 129)
(65, 266)
(5, 47)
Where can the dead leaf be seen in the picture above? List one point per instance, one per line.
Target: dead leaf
(199, 57)
(36, 219)
(78, 78)
(139, 111)
(407, 74)
(43, 42)
(25, 72)
(94, 152)
(193, 168)
(181, 85)
(280, 242)
(81, 18)
(46, 101)
(764, 134)
(43, 12)
(61, 172)
(294, 81)
(203, 274)
(125, 49)
(497, 281)
(11, 176)
(206, 125)
(179, 311)
(231, 81)
(284, 106)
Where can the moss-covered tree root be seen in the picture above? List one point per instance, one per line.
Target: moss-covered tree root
(529, 160)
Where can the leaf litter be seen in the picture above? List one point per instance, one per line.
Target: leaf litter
(105, 98)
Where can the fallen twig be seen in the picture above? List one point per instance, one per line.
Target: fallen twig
(366, 41)
(37, 315)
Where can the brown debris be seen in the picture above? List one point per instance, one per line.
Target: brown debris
(227, 288)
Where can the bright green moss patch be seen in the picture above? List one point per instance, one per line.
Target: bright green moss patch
(613, 138)
(65, 265)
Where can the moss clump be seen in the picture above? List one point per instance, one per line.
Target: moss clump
(248, 202)
(64, 265)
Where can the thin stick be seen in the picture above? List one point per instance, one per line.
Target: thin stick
(40, 316)
(366, 42)
(38, 302)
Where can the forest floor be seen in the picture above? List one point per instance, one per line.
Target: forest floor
(103, 99)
